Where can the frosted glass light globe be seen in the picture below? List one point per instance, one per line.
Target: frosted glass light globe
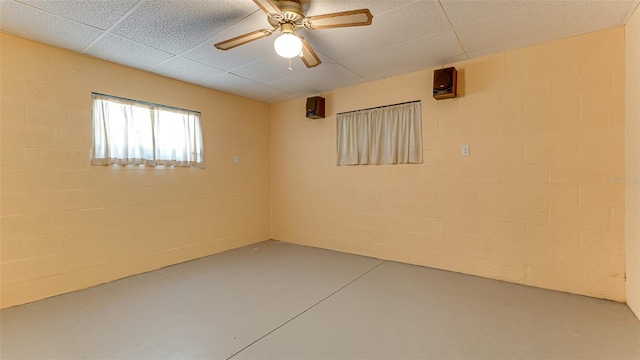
(288, 45)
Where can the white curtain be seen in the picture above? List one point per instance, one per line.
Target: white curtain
(386, 135)
(128, 132)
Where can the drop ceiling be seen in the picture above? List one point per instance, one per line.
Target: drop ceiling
(174, 38)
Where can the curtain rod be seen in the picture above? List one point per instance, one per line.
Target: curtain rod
(144, 102)
(378, 107)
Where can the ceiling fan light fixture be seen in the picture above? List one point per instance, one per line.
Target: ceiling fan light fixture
(288, 16)
(288, 45)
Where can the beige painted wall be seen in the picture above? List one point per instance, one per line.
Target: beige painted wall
(632, 178)
(533, 203)
(67, 225)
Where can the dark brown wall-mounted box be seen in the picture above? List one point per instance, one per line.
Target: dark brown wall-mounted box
(445, 83)
(315, 107)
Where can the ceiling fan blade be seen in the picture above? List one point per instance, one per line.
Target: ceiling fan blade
(309, 57)
(269, 7)
(242, 39)
(360, 17)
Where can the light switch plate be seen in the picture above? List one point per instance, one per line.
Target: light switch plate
(464, 150)
(236, 159)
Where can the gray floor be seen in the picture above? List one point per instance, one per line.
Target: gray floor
(281, 301)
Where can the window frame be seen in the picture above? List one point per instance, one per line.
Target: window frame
(383, 135)
(133, 132)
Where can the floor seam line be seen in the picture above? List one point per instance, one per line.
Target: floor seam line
(305, 310)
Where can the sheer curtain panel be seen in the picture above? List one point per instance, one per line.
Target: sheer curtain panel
(129, 132)
(385, 135)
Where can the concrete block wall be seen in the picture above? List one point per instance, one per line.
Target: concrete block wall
(536, 202)
(67, 225)
(632, 159)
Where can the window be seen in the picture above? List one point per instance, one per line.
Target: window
(385, 135)
(130, 132)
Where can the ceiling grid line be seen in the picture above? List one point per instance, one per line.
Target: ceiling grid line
(464, 51)
(110, 28)
(202, 43)
(175, 38)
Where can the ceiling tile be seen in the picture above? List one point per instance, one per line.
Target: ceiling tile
(240, 86)
(266, 93)
(97, 13)
(175, 38)
(463, 13)
(176, 26)
(377, 8)
(270, 67)
(407, 57)
(229, 83)
(542, 37)
(413, 21)
(544, 22)
(38, 25)
(126, 52)
(317, 80)
(186, 70)
(237, 85)
(452, 59)
(403, 24)
(241, 55)
(498, 31)
(321, 7)
(233, 58)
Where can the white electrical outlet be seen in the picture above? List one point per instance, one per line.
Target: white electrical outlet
(236, 159)
(464, 150)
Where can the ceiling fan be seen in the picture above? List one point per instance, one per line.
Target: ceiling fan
(289, 16)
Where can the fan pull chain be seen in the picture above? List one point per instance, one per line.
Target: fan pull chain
(290, 69)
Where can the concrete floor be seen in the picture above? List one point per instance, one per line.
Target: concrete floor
(281, 301)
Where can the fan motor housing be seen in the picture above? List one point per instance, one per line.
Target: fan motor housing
(292, 12)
